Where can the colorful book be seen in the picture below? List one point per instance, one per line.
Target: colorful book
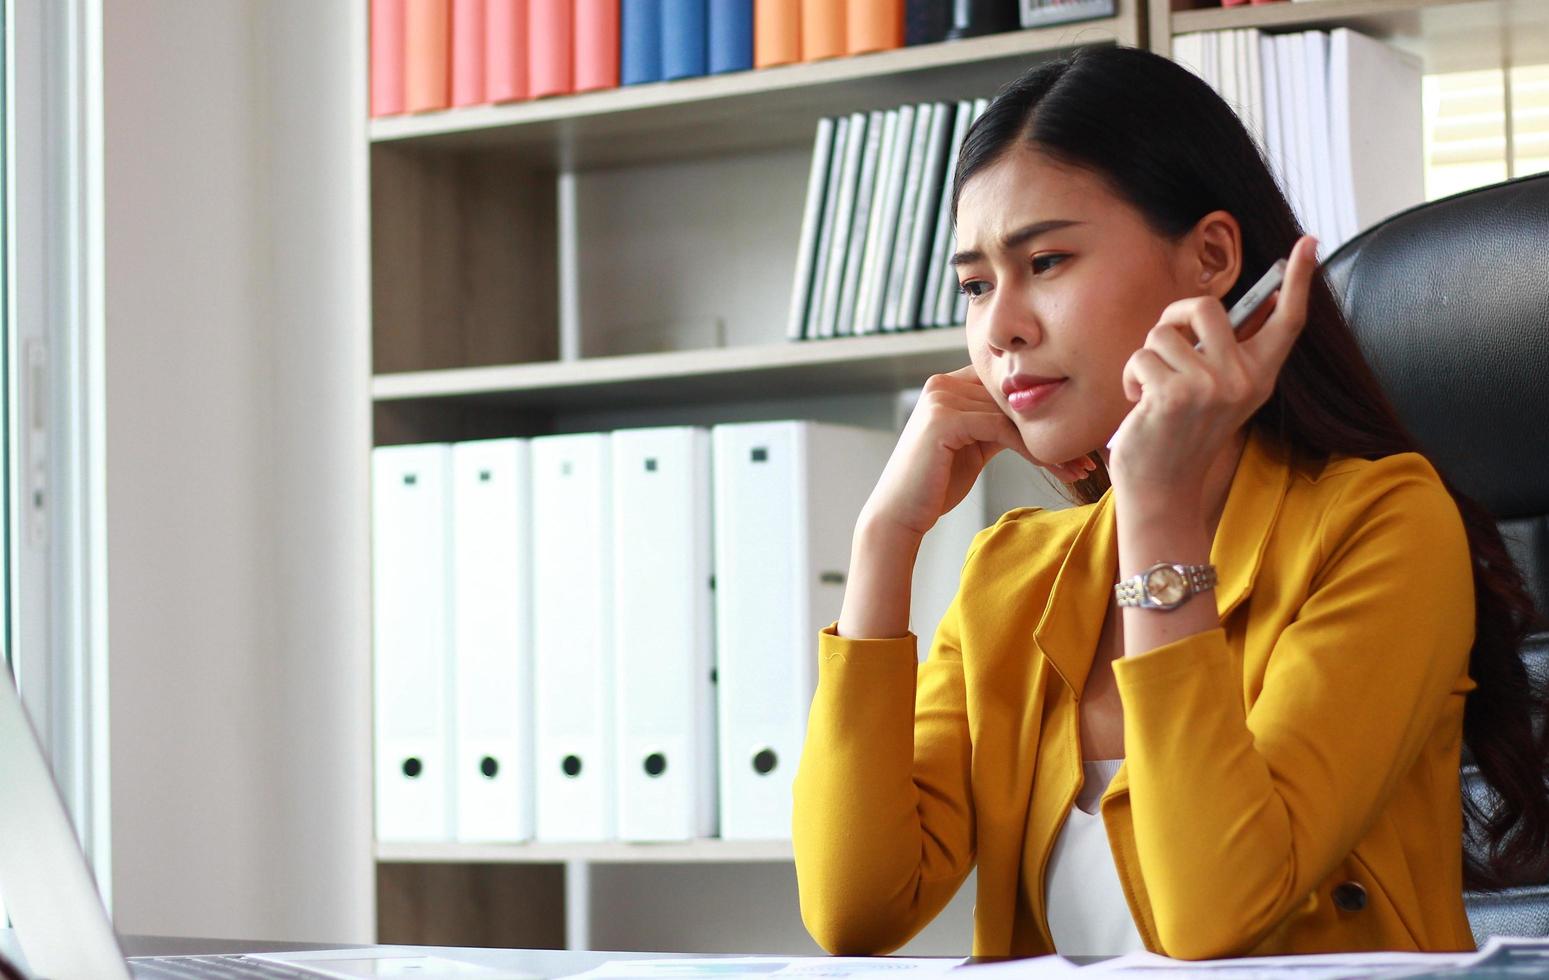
(550, 47)
(596, 44)
(730, 36)
(387, 56)
(685, 24)
(427, 70)
(467, 52)
(640, 57)
(505, 50)
(776, 32)
(822, 29)
(873, 25)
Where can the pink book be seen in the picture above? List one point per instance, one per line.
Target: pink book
(596, 44)
(505, 50)
(550, 39)
(386, 57)
(427, 73)
(467, 52)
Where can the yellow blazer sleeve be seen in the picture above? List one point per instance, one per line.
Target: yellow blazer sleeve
(883, 820)
(1239, 814)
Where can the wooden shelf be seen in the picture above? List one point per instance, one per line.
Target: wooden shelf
(688, 852)
(881, 362)
(1450, 35)
(722, 114)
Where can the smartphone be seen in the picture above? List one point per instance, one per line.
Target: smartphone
(1254, 297)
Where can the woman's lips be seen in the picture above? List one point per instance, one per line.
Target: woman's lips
(1024, 400)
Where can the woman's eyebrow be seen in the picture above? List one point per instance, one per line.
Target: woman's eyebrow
(1021, 236)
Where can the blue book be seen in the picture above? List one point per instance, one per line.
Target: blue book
(640, 42)
(731, 35)
(684, 42)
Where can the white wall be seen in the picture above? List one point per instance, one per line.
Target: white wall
(236, 443)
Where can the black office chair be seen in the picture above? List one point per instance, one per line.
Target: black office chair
(1450, 302)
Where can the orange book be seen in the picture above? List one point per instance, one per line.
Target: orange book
(505, 50)
(822, 29)
(550, 47)
(873, 25)
(467, 52)
(596, 44)
(776, 32)
(427, 43)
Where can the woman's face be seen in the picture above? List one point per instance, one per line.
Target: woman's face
(1064, 281)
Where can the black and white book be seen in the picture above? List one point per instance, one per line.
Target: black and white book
(814, 313)
(879, 126)
(941, 238)
(884, 222)
(937, 164)
(952, 303)
(844, 211)
(899, 269)
(811, 228)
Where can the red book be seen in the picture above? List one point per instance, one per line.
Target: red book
(386, 57)
(505, 50)
(427, 74)
(776, 32)
(467, 52)
(822, 29)
(550, 46)
(596, 44)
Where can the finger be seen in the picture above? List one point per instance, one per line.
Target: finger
(1178, 353)
(993, 428)
(1268, 348)
(1145, 369)
(965, 380)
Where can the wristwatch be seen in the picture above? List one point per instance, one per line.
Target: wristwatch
(1165, 585)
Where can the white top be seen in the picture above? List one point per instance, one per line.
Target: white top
(1087, 911)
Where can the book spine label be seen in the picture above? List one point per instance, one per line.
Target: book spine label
(427, 77)
(387, 56)
(684, 41)
(596, 44)
(641, 55)
(730, 36)
(550, 47)
(505, 50)
(776, 32)
(822, 29)
(873, 25)
(467, 52)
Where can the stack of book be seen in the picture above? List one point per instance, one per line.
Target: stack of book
(1337, 115)
(877, 231)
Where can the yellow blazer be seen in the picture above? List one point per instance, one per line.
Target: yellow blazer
(1291, 777)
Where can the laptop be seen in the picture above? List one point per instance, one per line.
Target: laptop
(63, 927)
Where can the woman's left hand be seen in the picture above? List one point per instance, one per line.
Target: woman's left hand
(1191, 402)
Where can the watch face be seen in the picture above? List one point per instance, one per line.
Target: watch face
(1166, 585)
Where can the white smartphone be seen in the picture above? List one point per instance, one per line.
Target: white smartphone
(1254, 298)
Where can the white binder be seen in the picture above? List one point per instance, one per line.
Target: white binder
(412, 689)
(663, 634)
(573, 637)
(492, 639)
(786, 498)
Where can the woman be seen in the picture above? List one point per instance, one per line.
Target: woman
(1280, 714)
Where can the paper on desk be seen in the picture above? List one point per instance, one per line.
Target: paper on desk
(1321, 966)
(720, 968)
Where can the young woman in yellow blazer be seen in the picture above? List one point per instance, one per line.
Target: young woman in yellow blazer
(1266, 607)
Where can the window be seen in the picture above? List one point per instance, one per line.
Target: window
(1482, 127)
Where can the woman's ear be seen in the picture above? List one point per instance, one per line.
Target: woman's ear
(1214, 254)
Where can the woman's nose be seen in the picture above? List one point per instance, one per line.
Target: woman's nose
(1010, 326)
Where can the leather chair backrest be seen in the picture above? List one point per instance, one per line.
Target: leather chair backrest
(1450, 303)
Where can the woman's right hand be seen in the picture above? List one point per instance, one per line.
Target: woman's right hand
(954, 430)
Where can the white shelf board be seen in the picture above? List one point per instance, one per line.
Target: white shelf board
(1450, 35)
(613, 852)
(746, 110)
(878, 362)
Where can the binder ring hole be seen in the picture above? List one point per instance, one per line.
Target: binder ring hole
(655, 764)
(489, 767)
(764, 761)
(412, 767)
(571, 765)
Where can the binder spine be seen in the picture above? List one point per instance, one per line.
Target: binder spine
(684, 40)
(387, 57)
(550, 47)
(730, 36)
(505, 50)
(427, 68)
(468, 18)
(873, 25)
(822, 29)
(776, 32)
(641, 55)
(596, 44)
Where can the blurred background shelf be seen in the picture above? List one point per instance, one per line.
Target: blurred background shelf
(617, 852)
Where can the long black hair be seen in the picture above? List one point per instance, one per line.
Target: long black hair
(1164, 141)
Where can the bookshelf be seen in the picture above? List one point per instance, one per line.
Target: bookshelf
(624, 258)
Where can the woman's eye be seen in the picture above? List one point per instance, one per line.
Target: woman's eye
(1042, 263)
(973, 288)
